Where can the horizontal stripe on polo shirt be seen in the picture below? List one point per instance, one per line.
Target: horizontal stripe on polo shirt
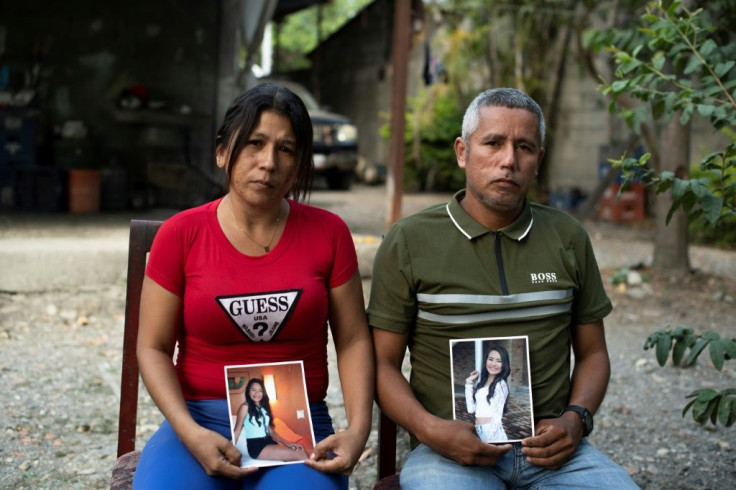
(527, 311)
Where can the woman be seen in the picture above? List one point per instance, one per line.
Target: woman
(254, 423)
(253, 277)
(488, 399)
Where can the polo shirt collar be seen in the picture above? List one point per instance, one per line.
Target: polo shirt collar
(472, 229)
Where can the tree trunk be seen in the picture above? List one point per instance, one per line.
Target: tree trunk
(671, 240)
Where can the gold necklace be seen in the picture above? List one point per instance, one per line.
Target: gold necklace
(266, 248)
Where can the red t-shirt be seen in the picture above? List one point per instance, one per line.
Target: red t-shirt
(240, 309)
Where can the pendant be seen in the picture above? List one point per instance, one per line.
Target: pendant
(267, 249)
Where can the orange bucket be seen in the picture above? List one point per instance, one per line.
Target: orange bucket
(84, 191)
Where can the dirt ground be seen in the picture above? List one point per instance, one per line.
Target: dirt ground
(60, 366)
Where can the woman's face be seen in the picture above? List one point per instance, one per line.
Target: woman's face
(256, 393)
(264, 170)
(494, 364)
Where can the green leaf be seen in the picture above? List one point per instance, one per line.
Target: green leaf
(689, 201)
(724, 410)
(702, 411)
(689, 404)
(732, 413)
(722, 69)
(705, 110)
(696, 350)
(679, 188)
(620, 85)
(673, 209)
(629, 66)
(706, 394)
(658, 61)
(717, 354)
(672, 10)
(712, 207)
(729, 348)
(692, 64)
(699, 187)
(678, 351)
(663, 348)
(708, 47)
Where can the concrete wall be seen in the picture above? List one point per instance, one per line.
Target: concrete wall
(585, 127)
(582, 127)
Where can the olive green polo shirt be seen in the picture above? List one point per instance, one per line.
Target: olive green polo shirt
(440, 275)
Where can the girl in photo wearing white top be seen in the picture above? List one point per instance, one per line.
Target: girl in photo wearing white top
(488, 399)
(255, 422)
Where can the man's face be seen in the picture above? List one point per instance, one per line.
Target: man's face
(501, 160)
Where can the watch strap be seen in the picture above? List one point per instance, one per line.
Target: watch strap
(585, 415)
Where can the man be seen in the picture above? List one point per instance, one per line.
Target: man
(491, 264)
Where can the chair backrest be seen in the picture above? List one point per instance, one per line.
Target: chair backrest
(141, 238)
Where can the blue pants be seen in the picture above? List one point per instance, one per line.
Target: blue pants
(166, 463)
(588, 468)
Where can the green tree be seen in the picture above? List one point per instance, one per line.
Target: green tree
(302, 31)
(667, 70)
(433, 120)
(677, 64)
(483, 44)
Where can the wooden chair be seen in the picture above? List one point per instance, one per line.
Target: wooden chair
(142, 233)
(141, 238)
(388, 479)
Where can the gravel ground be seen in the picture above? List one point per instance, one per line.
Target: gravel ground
(61, 349)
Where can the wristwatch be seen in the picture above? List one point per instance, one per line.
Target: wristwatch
(584, 414)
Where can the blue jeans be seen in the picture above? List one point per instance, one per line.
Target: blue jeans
(588, 468)
(166, 463)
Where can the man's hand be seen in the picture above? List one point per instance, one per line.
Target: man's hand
(346, 447)
(457, 440)
(555, 441)
(217, 455)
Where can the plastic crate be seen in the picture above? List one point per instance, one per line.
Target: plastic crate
(18, 132)
(629, 206)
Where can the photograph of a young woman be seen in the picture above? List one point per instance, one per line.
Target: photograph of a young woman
(254, 422)
(488, 398)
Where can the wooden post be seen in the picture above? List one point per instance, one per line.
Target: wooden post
(400, 62)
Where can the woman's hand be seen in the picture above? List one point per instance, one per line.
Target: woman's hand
(472, 377)
(217, 455)
(338, 453)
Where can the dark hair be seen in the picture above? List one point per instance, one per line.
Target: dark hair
(240, 121)
(253, 412)
(502, 376)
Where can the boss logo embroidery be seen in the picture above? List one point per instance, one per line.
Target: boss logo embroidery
(543, 277)
(260, 317)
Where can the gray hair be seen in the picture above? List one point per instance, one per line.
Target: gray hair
(500, 97)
